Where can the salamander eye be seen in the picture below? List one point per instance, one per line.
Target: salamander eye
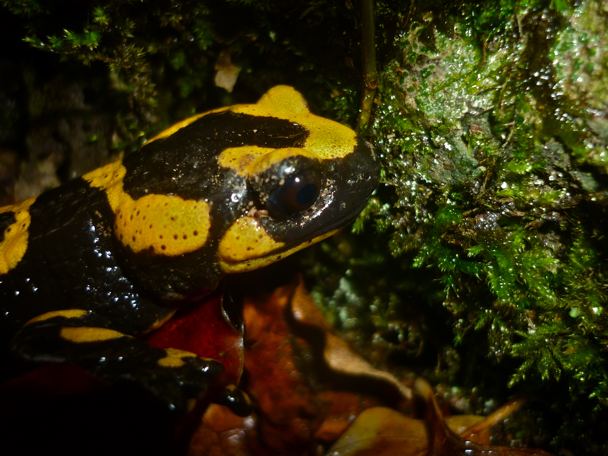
(296, 194)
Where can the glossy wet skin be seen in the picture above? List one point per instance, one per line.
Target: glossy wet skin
(109, 255)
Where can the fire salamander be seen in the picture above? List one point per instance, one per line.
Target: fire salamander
(88, 267)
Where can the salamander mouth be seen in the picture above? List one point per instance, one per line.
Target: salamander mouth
(348, 218)
(255, 262)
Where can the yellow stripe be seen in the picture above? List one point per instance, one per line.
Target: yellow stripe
(65, 313)
(16, 235)
(85, 334)
(326, 139)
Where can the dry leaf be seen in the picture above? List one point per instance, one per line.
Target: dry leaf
(289, 411)
(226, 73)
(311, 391)
(381, 431)
(222, 433)
(336, 353)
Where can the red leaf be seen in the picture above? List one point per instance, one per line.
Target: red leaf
(204, 329)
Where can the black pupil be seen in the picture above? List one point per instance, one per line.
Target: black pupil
(307, 195)
(298, 193)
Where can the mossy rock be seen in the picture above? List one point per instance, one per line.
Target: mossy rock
(484, 252)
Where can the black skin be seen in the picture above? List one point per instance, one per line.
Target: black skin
(90, 277)
(74, 260)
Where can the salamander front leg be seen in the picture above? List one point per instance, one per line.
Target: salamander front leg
(173, 376)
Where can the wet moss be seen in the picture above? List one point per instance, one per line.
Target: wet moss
(490, 128)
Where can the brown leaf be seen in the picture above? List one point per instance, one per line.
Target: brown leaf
(311, 391)
(222, 433)
(336, 353)
(297, 409)
(444, 441)
(226, 72)
(289, 411)
(381, 431)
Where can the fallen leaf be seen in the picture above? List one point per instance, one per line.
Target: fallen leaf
(296, 413)
(288, 408)
(222, 433)
(336, 353)
(444, 441)
(226, 72)
(381, 431)
(205, 329)
(311, 392)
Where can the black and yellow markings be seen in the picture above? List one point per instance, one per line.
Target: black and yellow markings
(190, 155)
(77, 334)
(89, 334)
(175, 357)
(325, 140)
(236, 256)
(166, 224)
(14, 240)
(246, 245)
(245, 240)
(63, 313)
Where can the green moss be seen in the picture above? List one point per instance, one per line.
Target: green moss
(491, 130)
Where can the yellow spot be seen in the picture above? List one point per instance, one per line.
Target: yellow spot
(326, 139)
(16, 235)
(65, 313)
(244, 240)
(84, 334)
(246, 246)
(174, 358)
(173, 221)
(167, 224)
